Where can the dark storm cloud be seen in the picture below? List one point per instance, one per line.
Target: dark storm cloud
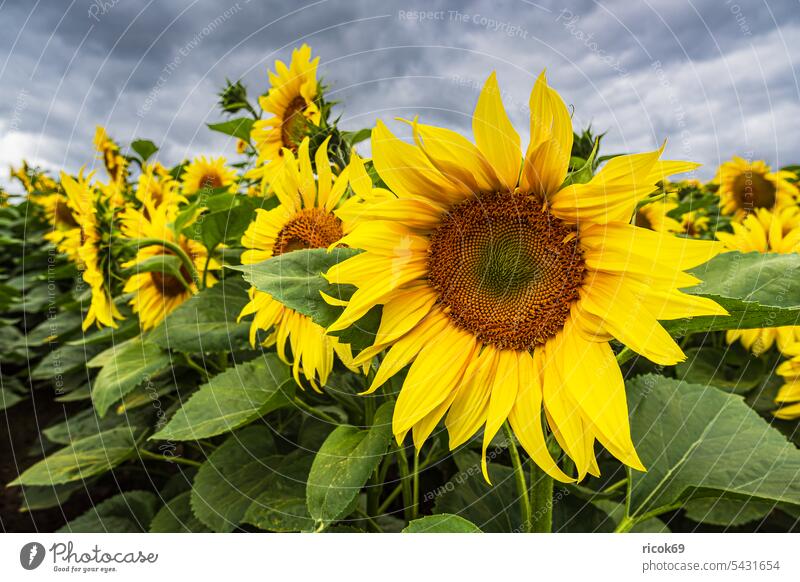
(715, 77)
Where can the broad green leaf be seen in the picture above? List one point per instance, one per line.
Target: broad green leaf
(227, 224)
(87, 423)
(45, 497)
(63, 360)
(131, 364)
(698, 441)
(239, 470)
(9, 398)
(726, 512)
(82, 459)
(355, 137)
(344, 463)
(732, 368)
(442, 523)
(207, 321)
(56, 327)
(757, 289)
(232, 399)
(239, 127)
(295, 279)
(281, 506)
(144, 148)
(129, 512)
(177, 517)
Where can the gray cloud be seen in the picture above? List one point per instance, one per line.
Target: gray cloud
(713, 77)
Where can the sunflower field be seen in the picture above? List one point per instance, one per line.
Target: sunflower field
(357, 331)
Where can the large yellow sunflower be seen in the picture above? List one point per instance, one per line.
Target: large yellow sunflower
(158, 187)
(303, 220)
(115, 163)
(745, 186)
(207, 174)
(102, 310)
(789, 394)
(502, 289)
(765, 232)
(292, 101)
(157, 293)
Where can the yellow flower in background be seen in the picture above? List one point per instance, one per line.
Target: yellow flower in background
(654, 216)
(241, 146)
(102, 310)
(746, 186)
(292, 101)
(158, 188)
(66, 232)
(765, 232)
(694, 222)
(207, 174)
(502, 290)
(303, 220)
(789, 394)
(158, 293)
(115, 163)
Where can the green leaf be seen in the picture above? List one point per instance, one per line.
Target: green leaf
(354, 137)
(87, 423)
(35, 498)
(726, 512)
(494, 508)
(8, 398)
(144, 148)
(82, 459)
(281, 506)
(239, 127)
(227, 224)
(295, 280)
(757, 289)
(129, 365)
(732, 368)
(227, 484)
(177, 517)
(168, 265)
(442, 523)
(344, 463)
(63, 360)
(129, 512)
(207, 322)
(232, 399)
(698, 441)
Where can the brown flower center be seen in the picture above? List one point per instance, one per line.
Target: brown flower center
(293, 124)
(169, 285)
(311, 228)
(641, 220)
(751, 190)
(63, 216)
(211, 181)
(507, 269)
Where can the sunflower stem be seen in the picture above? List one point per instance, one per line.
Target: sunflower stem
(402, 467)
(519, 474)
(542, 500)
(415, 487)
(141, 243)
(167, 458)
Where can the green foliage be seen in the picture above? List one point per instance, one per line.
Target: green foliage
(442, 523)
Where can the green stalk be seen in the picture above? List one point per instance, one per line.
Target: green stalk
(402, 466)
(519, 475)
(542, 500)
(315, 412)
(169, 459)
(415, 488)
(174, 248)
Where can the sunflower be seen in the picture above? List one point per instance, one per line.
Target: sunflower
(304, 219)
(765, 232)
(694, 222)
(745, 186)
(66, 232)
(153, 185)
(293, 100)
(207, 174)
(655, 217)
(82, 199)
(115, 163)
(502, 289)
(789, 394)
(157, 293)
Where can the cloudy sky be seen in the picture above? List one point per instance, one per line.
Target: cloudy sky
(713, 77)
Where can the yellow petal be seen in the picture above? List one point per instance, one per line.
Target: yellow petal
(495, 137)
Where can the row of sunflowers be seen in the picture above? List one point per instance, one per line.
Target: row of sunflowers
(575, 341)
